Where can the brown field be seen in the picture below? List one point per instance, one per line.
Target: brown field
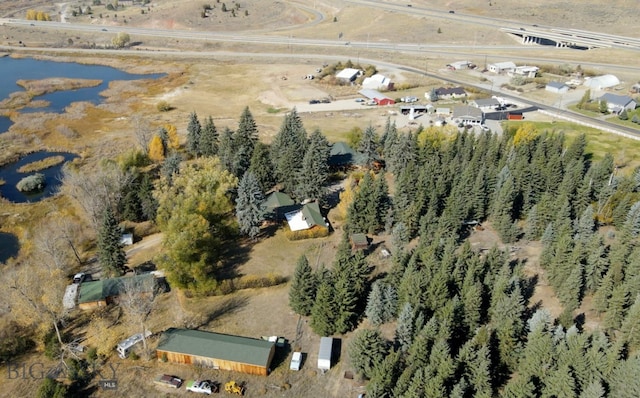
(221, 84)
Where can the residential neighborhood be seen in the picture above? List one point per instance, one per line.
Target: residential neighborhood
(319, 199)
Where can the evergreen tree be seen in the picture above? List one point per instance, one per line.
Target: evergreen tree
(632, 223)
(262, 167)
(226, 149)
(209, 138)
(146, 198)
(631, 325)
(249, 209)
(244, 140)
(313, 175)
(400, 236)
(624, 382)
(368, 146)
(367, 349)
(323, 312)
(375, 304)
(171, 165)
(384, 375)
(110, 253)
(288, 150)
(594, 390)
(131, 209)
(194, 132)
(390, 303)
(585, 225)
(346, 300)
(303, 288)
(404, 328)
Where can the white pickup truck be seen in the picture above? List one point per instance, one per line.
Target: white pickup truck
(202, 386)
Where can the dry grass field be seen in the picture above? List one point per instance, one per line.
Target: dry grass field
(221, 85)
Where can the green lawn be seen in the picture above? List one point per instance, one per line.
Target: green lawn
(625, 151)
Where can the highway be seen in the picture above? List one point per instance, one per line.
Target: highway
(459, 51)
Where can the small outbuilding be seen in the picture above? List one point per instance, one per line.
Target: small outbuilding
(377, 97)
(348, 75)
(377, 82)
(359, 241)
(556, 87)
(216, 350)
(501, 67)
(601, 82)
(525, 71)
(458, 65)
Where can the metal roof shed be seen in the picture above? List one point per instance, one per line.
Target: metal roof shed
(217, 351)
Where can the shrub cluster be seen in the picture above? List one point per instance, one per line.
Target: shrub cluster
(307, 233)
(35, 182)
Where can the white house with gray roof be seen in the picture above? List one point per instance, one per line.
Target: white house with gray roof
(485, 104)
(467, 115)
(616, 103)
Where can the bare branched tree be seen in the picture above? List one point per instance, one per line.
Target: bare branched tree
(137, 299)
(96, 189)
(35, 293)
(143, 132)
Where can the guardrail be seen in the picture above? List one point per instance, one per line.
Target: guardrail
(592, 125)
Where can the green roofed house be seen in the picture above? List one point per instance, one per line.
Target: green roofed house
(277, 204)
(217, 351)
(104, 292)
(307, 217)
(342, 155)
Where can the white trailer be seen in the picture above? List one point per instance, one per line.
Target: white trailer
(324, 354)
(124, 346)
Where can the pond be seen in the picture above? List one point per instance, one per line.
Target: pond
(5, 123)
(11, 175)
(9, 246)
(34, 69)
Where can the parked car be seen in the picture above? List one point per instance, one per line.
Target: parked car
(485, 128)
(79, 277)
(451, 12)
(359, 99)
(168, 381)
(314, 102)
(296, 361)
(201, 386)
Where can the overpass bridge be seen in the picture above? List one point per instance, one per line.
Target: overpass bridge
(573, 38)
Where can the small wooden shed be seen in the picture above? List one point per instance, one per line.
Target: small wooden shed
(359, 241)
(216, 350)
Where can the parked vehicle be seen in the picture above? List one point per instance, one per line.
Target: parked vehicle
(296, 361)
(79, 277)
(201, 386)
(234, 388)
(325, 353)
(168, 381)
